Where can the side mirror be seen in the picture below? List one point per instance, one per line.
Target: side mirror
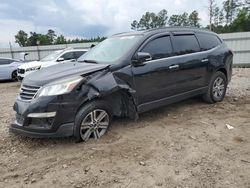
(141, 57)
(60, 59)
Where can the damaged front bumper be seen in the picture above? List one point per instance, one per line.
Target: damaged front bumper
(51, 116)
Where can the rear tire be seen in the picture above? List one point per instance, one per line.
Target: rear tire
(216, 89)
(14, 76)
(92, 120)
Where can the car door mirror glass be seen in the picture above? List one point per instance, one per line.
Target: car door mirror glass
(60, 59)
(141, 57)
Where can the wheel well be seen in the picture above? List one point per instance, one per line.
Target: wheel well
(223, 70)
(121, 102)
(13, 72)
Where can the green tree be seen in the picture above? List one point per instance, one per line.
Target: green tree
(150, 20)
(175, 20)
(185, 19)
(60, 40)
(231, 9)
(33, 39)
(194, 19)
(51, 36)
(179, 20)
(38, 39)
(241, 22)
(134, 25)
(21, 38)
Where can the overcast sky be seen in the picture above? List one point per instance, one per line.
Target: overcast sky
(84, 18)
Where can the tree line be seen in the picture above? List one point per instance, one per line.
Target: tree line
(231, 16)
(50, 38)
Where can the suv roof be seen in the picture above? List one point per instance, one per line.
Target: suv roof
(165, 29)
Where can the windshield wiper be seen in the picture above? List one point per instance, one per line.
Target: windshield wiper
(89, 61)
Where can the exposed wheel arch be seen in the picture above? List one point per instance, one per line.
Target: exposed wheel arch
(121, 102)
(223, 70)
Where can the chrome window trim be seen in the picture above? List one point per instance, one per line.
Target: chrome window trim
(184, 55)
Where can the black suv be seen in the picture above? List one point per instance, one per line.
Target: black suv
(125, 75)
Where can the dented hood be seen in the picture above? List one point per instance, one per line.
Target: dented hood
(63, 70)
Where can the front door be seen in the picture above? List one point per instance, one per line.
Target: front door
(152, 77)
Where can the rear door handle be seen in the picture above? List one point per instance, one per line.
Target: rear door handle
(204, 60)
(173, 67)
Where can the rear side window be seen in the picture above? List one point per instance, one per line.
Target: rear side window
(208, 41)
(78, 54)
(159, 48)
(185, 44)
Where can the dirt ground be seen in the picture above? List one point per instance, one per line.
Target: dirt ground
(186, 144)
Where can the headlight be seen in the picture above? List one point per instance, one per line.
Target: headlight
(33, 68)
(59, 87)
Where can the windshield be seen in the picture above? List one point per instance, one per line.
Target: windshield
(52, 56)
(110, 49)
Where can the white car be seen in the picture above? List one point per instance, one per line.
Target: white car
(54, 58)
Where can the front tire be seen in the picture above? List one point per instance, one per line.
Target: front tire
(14, 76)
(92, 120)
(216, 89)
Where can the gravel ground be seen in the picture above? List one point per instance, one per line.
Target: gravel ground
(186, 144)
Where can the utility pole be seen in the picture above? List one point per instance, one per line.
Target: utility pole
(11, 52)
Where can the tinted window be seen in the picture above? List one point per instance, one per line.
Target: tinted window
(78, 54)
(159, 47)
(68, 56)
(208, 41)
(185, 44)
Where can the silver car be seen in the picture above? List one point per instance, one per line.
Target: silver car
(8, 68)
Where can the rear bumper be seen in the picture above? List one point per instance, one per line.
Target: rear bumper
(64, 130)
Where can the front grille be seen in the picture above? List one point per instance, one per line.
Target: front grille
(21, 71)
(28, 92)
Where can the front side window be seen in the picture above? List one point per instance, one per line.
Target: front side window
(111, 49)
(68, 56)
(185, 44)
(159, 48)
(208, 41)
(52, 56)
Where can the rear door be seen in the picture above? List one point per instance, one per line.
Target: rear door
(191, 62)
(5, 68)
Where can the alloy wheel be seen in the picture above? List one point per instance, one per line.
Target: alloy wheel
(14, 76)
(218, 88)
(94, 124)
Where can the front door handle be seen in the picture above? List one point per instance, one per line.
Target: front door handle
(204, 60)
(173, 67)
